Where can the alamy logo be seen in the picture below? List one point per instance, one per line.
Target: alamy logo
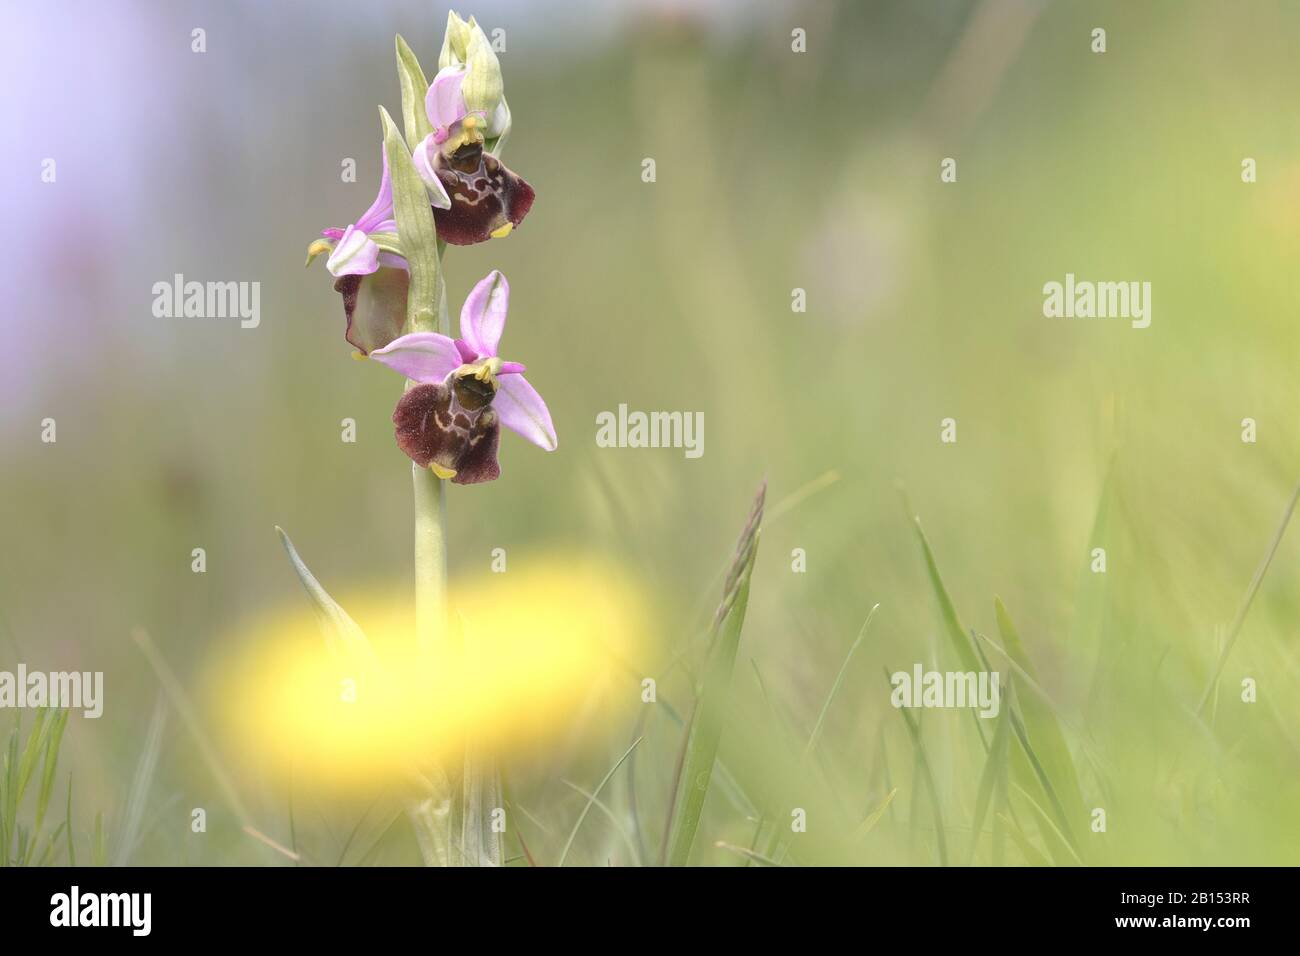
(208, 300)
(922, 688)
(651, 430)
(74, 689)
(75, 908)
(1098, 300)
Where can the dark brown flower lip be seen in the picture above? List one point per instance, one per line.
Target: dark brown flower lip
(483, 199)
(434, 429)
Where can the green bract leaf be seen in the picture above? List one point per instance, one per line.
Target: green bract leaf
(340, 630)
(415, 121)
(414, 218)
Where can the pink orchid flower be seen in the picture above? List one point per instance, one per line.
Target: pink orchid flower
(373, 282)
(475, 197)
(450, 421)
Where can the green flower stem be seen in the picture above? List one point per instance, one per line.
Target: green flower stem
(430, 560)
(467, 814)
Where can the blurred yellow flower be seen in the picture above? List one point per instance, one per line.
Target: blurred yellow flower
(528, 651)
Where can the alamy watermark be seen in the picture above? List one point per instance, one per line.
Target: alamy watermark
(1083, 299)
(79, 690)
(634, 429)
(179, 299)
(75, 908)
(922, 688)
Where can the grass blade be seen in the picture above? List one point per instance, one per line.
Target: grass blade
(49, 760)
(874, 816)
(69, 835)
(923, 762)
(266, 841)
(957, 635)
(704, 732)
(31, 754)
(1094, 589)
(839, 680)
(352, 834)
(379, 840)
(181, 703)
(144, 773)
(753, 856)
(586, 808)
(1018, 837)
(605, 808)
(1043, 730)
(1046, 819)
(995, 770)
(1251, 591)
(98, 854)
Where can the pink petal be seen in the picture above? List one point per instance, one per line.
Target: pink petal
(423, 158)
(483, 317)
(382, 207)
(355, 255)
(443, 102)
(523, 411)
(423, 356)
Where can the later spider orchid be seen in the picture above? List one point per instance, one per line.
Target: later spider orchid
(475, 197)
(445, 185)
(450, 421)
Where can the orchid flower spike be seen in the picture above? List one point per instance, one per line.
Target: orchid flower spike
(371, 274)
(475, 197)
(450, 421)
(465, 44)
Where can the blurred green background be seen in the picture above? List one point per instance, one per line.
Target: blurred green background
(775, 170)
